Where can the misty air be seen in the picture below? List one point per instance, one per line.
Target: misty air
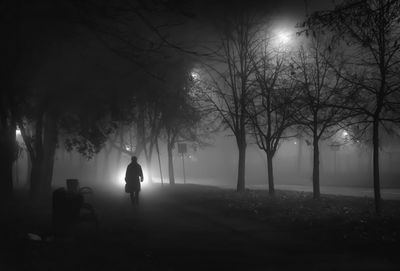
(200, 135)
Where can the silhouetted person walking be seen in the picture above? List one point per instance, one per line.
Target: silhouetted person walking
(133, 177)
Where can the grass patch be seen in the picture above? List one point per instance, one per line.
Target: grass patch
(331, 218)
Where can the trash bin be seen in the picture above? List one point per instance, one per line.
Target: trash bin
(67, 204)
(72, 185)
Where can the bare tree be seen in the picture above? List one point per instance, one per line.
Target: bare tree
(272, 109)
(370, 30)
(180, 119)
(232, 78)
(139, 132)
(321, 88)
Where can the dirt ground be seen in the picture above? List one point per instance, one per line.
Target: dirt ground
(190, 227)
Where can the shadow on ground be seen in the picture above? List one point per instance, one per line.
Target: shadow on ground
(190, 227)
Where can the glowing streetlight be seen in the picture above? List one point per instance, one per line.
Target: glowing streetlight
(195, 75)
(283, 37)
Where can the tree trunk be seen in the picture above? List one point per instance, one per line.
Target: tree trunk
(271, 186)
(43, 164)
(11, 44)
(36, 179)
(50, 139)
(299, 154)
(97, 167)
(106, 174)
(159, 161)
(149, 156)
(170, 165)
(29, 171)
(36, 154)
(7, 155)
(377, 189)
(148, 165)
(119, 154)
(316, 192)
(242, 165)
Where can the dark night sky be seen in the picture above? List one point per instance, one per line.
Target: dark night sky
(61, 53)
(290, 9)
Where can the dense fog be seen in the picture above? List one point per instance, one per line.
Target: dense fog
(346, 165)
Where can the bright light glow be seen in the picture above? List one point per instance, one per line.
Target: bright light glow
(121, 178)
(345, 133)
(18, 132)
(283, 37)
(195, 75)
(120, 182)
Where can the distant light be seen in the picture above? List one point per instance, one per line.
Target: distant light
(195, 75)
(120, 182)
(18, 132)
(345, 134)
(283, 37)
(121, 178)
(295, 143)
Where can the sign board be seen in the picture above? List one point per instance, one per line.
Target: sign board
(335, 147)
(182, 148)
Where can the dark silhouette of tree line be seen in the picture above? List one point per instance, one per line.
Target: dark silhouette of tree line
(85, 119)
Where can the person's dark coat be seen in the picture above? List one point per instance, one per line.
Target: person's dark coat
(133, 172)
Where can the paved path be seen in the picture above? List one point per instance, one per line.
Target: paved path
(173, 231)
(386, 193)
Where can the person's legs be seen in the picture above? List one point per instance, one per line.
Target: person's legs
(137, 197)
(132, 197)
